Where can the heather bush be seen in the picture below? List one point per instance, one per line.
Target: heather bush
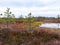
(9, 37)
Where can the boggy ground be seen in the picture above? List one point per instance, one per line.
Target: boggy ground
(18, 35)
(38, 36)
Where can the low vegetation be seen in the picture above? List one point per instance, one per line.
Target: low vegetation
(9, 37)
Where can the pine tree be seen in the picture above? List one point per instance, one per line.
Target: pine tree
(9, 16)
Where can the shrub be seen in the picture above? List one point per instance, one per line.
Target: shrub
(36, 24)
(10, 37)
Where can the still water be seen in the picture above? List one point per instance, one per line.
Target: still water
(51, 25)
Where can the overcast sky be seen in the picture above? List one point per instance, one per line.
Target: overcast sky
(36, 7)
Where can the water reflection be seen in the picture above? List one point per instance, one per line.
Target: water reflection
(51, 25)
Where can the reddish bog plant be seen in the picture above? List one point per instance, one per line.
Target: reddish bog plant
(20, 26)
(10, 37)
